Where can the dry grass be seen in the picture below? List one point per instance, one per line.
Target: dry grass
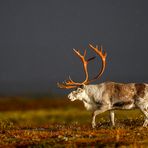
(61, 123)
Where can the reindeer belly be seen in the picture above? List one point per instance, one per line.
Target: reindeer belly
(123, 104)
(124, 101)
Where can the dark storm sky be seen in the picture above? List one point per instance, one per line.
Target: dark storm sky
(37, 37)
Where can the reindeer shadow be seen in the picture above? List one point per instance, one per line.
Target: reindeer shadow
(124, 123)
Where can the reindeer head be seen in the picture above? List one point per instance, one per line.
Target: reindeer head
(80, 92)
(77, 94)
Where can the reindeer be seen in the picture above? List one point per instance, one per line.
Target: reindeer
(107, 96)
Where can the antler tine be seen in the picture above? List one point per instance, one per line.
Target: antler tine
(78, 53)
(64, 86)
(103, 58)
(85, 62)
(69, 81)
(91, 58)
(84, 53)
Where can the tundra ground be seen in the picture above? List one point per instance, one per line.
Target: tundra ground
(60, 123)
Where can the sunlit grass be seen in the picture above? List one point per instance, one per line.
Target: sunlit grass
(68, 115)
(69, 125)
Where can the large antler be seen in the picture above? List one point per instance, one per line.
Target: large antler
(72, 84)
(103, 58)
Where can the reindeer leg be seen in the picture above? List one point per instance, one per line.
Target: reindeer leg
(112, 117)
(144, 108)
(145, 122)
(94, 117)
(145, 112)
